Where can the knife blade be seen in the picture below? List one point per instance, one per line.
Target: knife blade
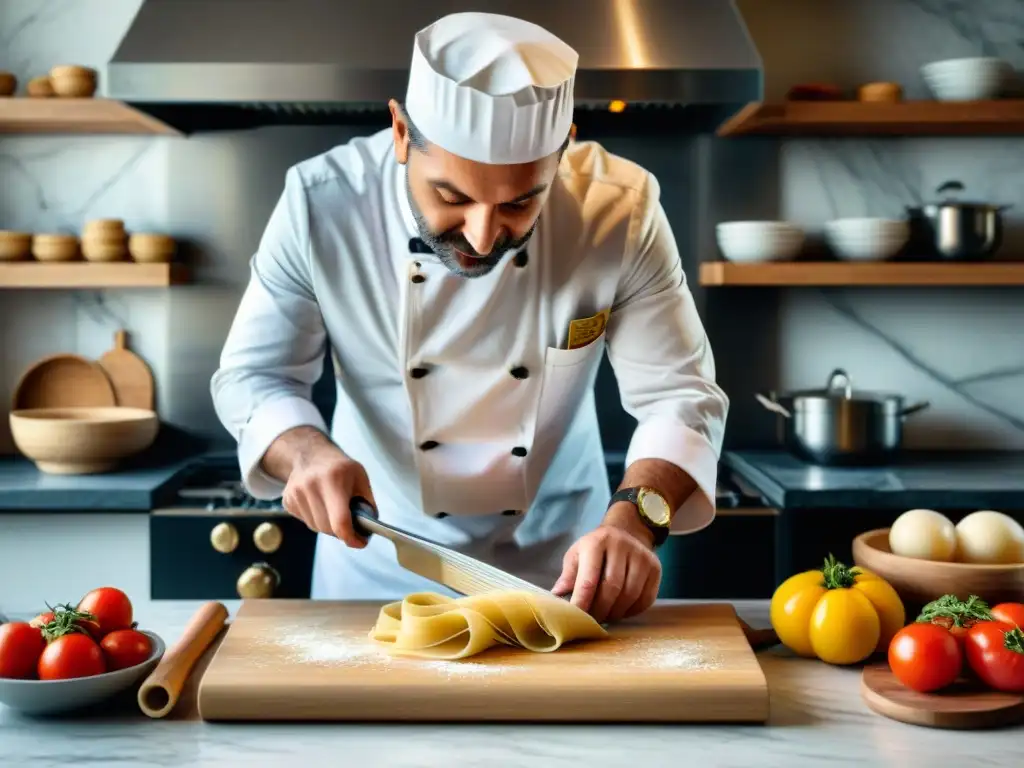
(455, 570)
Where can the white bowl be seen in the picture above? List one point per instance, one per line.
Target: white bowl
(867, 239)
(970, 79)
(50, 697)
(757, 241)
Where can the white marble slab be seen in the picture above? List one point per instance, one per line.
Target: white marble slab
(817, 719)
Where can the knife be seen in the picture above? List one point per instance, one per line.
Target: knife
(455, 570)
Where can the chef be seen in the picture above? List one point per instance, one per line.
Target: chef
(467, 269)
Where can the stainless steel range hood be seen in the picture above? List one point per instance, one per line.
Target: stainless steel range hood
(204, 64)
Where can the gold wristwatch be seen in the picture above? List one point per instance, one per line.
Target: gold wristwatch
(654, 511)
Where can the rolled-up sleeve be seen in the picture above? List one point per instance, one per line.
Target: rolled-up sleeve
(663, 362)
(274, 350)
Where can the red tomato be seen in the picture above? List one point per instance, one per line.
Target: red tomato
(995, 651)
(71, 655)
(42, 619)
(110, 606)
(20, 647)
(925, 657)
(1009, 613)
(125, 648)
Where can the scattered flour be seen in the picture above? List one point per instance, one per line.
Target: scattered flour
(319, 646)
(667, 654)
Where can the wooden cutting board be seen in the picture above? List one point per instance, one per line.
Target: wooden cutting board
(965, 704)
(131, 377)
(312, 660)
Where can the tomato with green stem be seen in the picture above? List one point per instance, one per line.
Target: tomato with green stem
(74, 654)
(995, 651)
(956, 615)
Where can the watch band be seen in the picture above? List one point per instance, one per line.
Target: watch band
(632, 495)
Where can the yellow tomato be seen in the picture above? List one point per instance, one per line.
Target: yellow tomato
(840, 615)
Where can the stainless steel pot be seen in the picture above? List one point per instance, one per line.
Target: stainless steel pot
(952, 229)
(838, 426)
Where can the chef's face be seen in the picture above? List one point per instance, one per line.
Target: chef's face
(470, 214)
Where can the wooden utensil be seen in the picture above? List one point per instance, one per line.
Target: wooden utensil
(160, 691)
(313, 660)
(64, 381)
(964, 705)
(129, 374)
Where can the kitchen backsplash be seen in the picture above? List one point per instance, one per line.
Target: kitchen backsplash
(959, 349)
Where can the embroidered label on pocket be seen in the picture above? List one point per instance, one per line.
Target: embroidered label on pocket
(587, 329)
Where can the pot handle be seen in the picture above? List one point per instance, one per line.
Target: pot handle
(839, 373)
(773, 406)
(914, 408)
(947, 186)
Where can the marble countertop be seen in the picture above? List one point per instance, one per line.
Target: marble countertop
(817, 718)
(935, 480)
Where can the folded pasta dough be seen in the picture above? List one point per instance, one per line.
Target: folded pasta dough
(430, 625)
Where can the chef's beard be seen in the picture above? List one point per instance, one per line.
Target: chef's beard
(445, 244)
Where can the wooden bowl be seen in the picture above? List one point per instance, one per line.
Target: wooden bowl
(104, 228)
(151, 248)
(8, 83)
(921, 581)
(55, 247)
(101, 248)
(40, 87)
(72, 81)
(15, 246)
(78, 441)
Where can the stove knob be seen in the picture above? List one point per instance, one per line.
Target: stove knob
(258, 581)
(267, 537)
(224, 537)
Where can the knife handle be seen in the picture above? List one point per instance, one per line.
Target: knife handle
(364, 516)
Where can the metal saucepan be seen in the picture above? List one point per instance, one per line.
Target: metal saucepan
(953, 229)
(838, 426)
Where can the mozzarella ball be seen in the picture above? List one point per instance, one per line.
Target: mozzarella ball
(923, 534)
(990, 538)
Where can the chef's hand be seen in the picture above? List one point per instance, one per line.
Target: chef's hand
(321, 482)
(612, 571)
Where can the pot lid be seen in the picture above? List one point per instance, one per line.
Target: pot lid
(952, 199)
(840, 387)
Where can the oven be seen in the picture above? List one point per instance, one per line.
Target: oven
(214, 541)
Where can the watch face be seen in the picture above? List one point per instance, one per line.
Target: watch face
(655, 508)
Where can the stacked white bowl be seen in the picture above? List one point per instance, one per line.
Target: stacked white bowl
(757, 241)
(969, 79)
(867, 239)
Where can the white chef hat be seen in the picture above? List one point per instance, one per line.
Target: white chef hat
(491, 88)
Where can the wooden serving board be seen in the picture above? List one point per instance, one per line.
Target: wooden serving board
(313, 660)
(129, 374)
(966, 704)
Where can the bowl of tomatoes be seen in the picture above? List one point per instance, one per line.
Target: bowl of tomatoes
(71, 657)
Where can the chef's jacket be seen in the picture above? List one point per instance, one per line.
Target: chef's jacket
(476, 424)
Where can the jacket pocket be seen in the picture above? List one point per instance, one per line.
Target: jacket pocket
(569, 375)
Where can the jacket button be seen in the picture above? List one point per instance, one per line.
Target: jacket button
(441, 514)
(418, 278)
(520, 259)
(510, 512)
(418, 373)
(519, 372)
(519, 451)
(429, 445)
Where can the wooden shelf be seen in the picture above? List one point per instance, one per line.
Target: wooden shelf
(891, 273)
(1003, 117)
(82, 274)
(97, 116)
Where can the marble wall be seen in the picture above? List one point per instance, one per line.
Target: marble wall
(962, 350)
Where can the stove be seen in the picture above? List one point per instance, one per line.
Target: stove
(214, 541)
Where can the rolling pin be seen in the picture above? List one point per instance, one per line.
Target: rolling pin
(160, 691)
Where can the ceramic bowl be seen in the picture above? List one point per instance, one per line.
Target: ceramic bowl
(759, 241)
(920, 581)
(50, 697)
(867, 239)
(79, 441)
(968, 79)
